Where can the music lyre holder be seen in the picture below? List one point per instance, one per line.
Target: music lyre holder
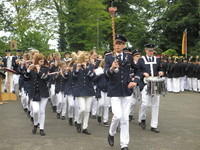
(112, 10)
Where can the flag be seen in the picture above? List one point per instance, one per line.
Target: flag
(184, 43)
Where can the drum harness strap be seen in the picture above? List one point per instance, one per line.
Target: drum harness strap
(150, 63)
(146, 62)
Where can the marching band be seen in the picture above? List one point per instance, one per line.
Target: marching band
(85, 84)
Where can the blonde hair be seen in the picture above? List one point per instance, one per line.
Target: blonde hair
(83, 57)
(37, 58)
(56, 55)
(33, 52)
(102, 63)
(27, 56)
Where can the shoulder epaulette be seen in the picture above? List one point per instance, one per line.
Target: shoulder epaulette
(108, 53)
(128, 53)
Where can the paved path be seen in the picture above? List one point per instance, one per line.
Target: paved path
(179, 124)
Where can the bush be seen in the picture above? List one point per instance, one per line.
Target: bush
(170, 52)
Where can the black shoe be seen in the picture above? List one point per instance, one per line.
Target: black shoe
(32, 119)
(99, 119)
(5, 91)
(34, 130)
(25, 110)
(58, 115)
(75, 124)
(156, 130)
(85, 131)
(28, 114)
(111, 140)
(118, 128)
(54, 108)
(106, 124)
(70, 121)
(13, 92)
(142, 124)
(63, 118)
(78, 128)
(42, 133)
(130, 117)
(110, 109)
(124, 148)
(93, 117)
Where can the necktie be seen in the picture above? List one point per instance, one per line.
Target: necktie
(150, 59)
(120, 57)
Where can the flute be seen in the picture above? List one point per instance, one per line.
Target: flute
(53, 73)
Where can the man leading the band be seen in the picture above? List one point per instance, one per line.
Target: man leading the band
(117, 68)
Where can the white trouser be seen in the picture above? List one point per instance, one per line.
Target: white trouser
(176, 85)
(194, 84)
(134, 101)
(53, 95)
(8, 82)
(121, 109)
(29, 102)
(94, 106)
(198, 85)
(76, 109)
(182, 83)
(169, 85)
(24, 99)
(39, 112)
(152, 101)
(84, 110)
(15, 82)
(189, 81)
(103, 106)
(70, 102)
(61, 103)
(186, 83)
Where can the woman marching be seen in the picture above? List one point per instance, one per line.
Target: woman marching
(69, 94)
(101, 81)
(38, 74)
(83, 73)
(53, 61)
(59, 90)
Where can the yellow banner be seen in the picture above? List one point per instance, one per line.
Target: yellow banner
(184, 43)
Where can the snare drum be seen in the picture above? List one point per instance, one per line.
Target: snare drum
(156, 86)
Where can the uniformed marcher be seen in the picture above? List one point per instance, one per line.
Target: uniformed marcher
(149, 65)
(101, 82)
(176, 75)
(83, 74)
(117, 68)
(136, 91)
(94, 60)
(170, 66)
(69, 94)
(190, 72)
(15, 65)
(53, 68)
(39, 92)
(60, 80)
(7, 61)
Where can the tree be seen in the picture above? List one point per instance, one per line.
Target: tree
(178, 16)
(84, 18)
(132, 20)
(36, 40)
